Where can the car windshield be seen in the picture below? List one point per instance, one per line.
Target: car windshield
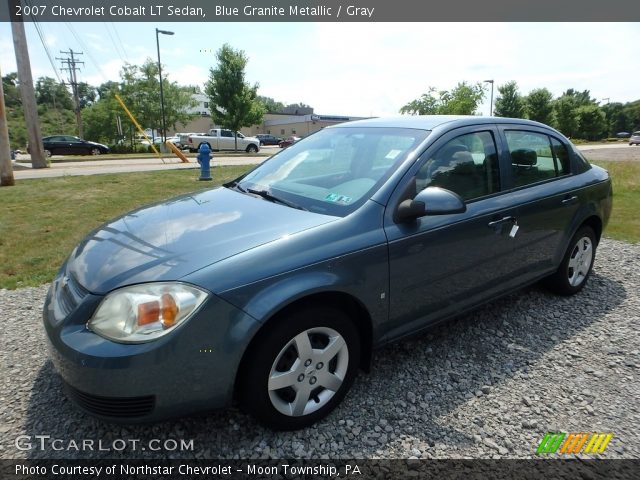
(335, 170)
(636, 134)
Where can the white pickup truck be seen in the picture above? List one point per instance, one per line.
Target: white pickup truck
(220, 139)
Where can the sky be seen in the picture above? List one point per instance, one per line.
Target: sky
(357, 69)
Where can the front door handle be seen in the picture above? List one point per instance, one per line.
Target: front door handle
(498, 223)
(570, 200)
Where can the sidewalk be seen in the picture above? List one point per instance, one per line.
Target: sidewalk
(95, 167)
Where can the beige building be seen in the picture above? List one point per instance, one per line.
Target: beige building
(300, 123)
(284, 125)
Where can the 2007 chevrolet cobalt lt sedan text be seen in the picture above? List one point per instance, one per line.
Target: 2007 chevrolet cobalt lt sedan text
(274, 289)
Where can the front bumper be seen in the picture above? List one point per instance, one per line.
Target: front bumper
(190, 370)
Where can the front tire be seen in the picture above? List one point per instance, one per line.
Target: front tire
(576, 265)
(252, 149)
(95, 151)
(301, 369)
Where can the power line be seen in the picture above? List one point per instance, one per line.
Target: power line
(44, 44)
(84, 46)
(119, 47)
(71, 67)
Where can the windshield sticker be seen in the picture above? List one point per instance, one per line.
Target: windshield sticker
(335, 198)
(393, 154)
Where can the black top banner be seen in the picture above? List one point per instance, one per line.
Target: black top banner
(318, 10)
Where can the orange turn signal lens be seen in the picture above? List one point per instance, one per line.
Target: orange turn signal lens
(148, 313)
(169, 310)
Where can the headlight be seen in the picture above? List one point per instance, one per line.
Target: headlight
(142, 313)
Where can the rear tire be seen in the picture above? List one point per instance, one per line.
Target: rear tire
(47, 153)
(301, 369)
(576, 266)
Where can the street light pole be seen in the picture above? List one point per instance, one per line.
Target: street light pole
(491, 102)
(164, 126)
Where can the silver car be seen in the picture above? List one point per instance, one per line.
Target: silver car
(635, 138)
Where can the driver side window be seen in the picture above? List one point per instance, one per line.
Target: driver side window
(466, 165)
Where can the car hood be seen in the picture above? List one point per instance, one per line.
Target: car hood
(169, 240)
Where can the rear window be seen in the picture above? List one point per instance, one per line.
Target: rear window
(636, 134)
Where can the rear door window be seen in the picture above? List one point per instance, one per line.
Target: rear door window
(536, 157)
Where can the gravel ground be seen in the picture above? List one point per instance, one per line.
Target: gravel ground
(488, 385)
(628, 153)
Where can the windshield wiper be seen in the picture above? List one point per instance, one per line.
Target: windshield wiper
(236, 185)
(269, 196)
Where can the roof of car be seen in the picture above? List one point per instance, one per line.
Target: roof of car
(429, 122)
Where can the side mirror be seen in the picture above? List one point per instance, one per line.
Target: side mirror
(430, 201)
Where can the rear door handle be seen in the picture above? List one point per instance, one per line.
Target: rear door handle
(570, 200)
(498, 223)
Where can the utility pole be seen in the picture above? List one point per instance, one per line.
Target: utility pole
(71, 63)
(6, 170)
(28, 95)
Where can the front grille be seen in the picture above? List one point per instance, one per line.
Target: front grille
(69, 294)
(123, 407)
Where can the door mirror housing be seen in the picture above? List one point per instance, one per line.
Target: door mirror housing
(430, 201)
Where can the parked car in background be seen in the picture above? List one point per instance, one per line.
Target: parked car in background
(623, 135)
(634, 139)
(289, 276)
(289, 141)
(221, 139)
(268, 139)
(69, 145)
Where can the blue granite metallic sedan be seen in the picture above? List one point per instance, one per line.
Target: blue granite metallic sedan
(274, 289)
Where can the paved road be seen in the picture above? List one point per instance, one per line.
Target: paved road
(620, 151)
(93, 167)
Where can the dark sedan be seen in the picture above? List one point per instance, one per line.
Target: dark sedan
(275, 289)
(69, 145)
(266, 139)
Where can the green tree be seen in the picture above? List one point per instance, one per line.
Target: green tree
(461, 100)
(427, 104)
(580, 98)
(100, 119)
(234, 102)
(11, 93)
(632, 111)
(592, 124)
(616, 117)
(566, 115)
(140, 90)
(270, 104)
(87, 94)
(509, 102)
(107, 89)
(52, 93)
(539, 105)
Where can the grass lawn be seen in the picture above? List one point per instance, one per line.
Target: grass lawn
(41, 220)
(625, 217)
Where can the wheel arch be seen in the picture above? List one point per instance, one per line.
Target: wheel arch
(595, 223)
(337, 299)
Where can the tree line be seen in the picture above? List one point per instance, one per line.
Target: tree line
(575, 113)
(234, 102)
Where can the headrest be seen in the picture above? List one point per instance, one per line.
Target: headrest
(524, 157)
